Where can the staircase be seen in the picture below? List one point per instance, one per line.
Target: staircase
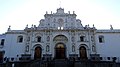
(60, 63)
(53, 63)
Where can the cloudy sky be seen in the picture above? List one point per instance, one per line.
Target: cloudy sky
(19, 13)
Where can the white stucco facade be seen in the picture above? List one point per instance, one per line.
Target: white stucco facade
(60, 30)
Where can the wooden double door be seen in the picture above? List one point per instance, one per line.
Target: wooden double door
(1, 57)
(60, 51)
(37, 53)
(83, 53)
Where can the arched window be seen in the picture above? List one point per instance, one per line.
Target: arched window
(82, 38)
(20, 39)
(38, 39)
(101, 39)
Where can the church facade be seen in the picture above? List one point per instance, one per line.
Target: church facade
(59, 36)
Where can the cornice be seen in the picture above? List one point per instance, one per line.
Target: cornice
(12, 32)
(107, 31)
(55, 29)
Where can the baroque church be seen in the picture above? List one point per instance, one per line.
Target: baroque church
(60, 36)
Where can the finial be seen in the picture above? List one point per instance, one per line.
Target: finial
(35, 27)
(27, 26)
(111, 28)
(46, 12)
(93, 25)
(69, 12)
(85, 26)
(9, 28)
(32, 26)
(88, 25)
(73, 12)
(51, 12)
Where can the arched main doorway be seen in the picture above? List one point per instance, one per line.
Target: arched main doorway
(83, 53)
(60, 51)
(38, 53)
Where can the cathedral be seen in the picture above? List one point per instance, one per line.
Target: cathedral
(60, 36)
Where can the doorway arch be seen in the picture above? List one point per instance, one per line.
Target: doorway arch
(60, 51)
(37, 52)
(83, 53)
(1, 56)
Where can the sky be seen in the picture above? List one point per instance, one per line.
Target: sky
(19, 13)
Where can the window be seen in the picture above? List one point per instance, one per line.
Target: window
(108, 58)
(82, 38)
(20, 39)
(38, 39)
(101, 39)
(2, 42)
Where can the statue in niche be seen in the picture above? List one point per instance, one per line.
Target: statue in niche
(61, 22)
(28, 39)
(47, 48)
(65, 20)
(27, 48)
(72, 39)
(73, 48)
(54, 20)
(48, 38)
(93, 48)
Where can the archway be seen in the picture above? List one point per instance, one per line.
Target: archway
(1, 57)
(38, 53)
(83, 53)
(60, 51)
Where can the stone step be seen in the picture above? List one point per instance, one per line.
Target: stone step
(60, 63)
